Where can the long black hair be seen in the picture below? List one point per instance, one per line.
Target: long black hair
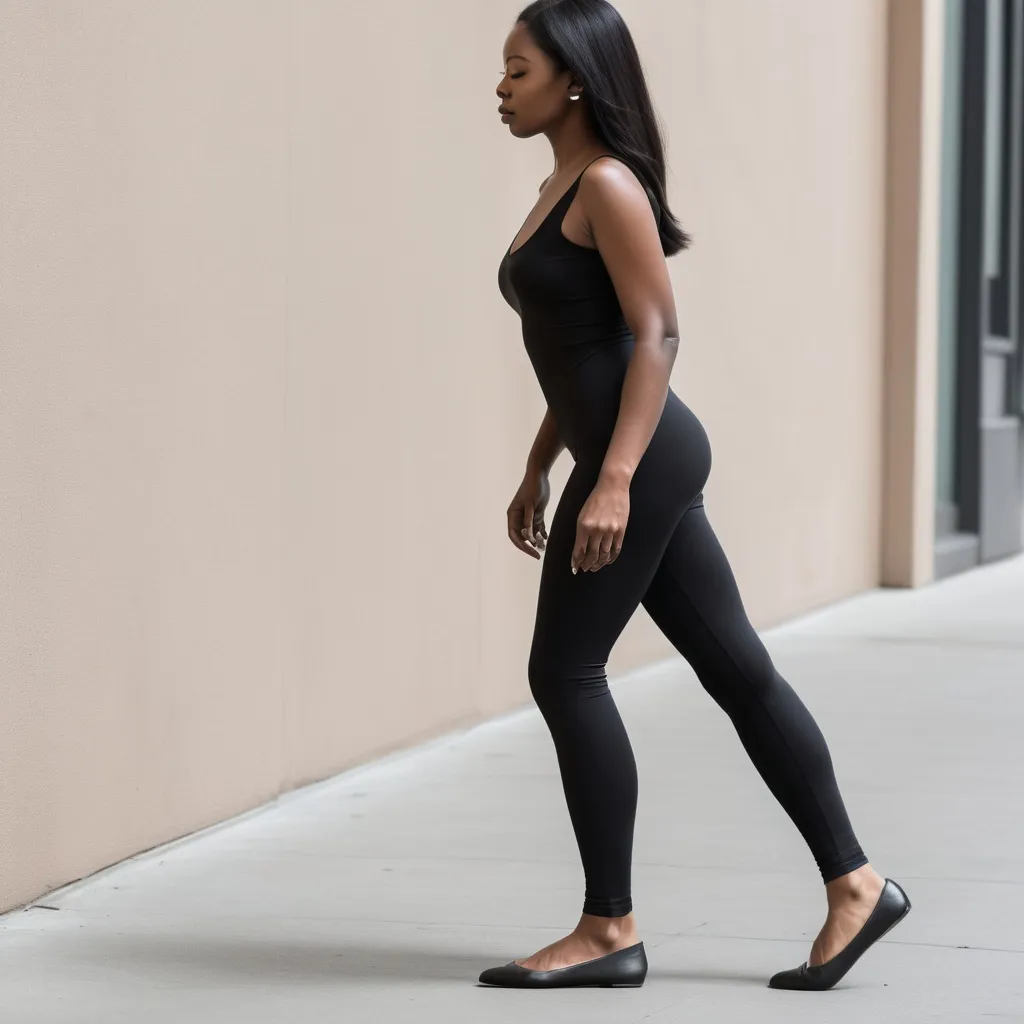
(590, 39)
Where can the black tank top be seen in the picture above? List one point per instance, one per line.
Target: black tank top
(573, 328)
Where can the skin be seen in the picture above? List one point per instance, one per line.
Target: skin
(611, 213)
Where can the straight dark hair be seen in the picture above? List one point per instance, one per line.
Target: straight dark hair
(590, 39)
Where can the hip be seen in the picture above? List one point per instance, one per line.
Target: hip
(673, 469)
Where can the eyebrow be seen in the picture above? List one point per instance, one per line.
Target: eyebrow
(512, 55)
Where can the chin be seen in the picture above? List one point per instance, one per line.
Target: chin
(520, 133)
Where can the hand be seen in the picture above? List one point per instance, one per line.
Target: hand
(526, 527)
(600, 527)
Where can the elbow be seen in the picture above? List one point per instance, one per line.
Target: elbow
(670, 333)
(657, 332)
(662, 343)
(669, 337)
(658, 336)
(669, 348)
(663, 331)
(658, 350)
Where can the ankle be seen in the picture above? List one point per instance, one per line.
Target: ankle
(861, 884)
(607, 931)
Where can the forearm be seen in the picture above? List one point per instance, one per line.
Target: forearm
(547, 446)
(644, 391)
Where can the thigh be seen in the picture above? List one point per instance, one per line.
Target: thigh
(579, 617)
(695, 601)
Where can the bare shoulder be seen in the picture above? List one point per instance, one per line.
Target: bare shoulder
(616, 202)
(611, 180)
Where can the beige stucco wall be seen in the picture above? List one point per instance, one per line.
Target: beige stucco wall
(263, 406)
(914, 165)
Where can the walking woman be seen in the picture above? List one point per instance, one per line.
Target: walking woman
(587, 275)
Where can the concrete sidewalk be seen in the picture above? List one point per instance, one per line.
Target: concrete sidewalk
(380, 895)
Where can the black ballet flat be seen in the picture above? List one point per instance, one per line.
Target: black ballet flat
(625, 968)
(893, 905)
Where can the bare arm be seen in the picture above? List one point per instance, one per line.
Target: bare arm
(547, 446)
(623, 226)
(626, 233)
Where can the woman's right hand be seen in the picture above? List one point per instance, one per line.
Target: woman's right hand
(526, 527)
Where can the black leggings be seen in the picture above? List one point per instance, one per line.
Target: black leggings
(672, 563)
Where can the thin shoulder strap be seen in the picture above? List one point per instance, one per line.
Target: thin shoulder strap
(650, 195)
(579, 177)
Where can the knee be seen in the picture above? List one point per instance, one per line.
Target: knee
(542, 675)
(536, 674)
(741, 680)
(553, 679)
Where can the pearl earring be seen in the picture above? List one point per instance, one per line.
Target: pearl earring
(576, 97)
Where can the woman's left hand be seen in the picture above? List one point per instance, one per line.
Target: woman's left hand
(600, 527)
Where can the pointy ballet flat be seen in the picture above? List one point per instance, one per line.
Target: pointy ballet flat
(625, 968)
(893, 905)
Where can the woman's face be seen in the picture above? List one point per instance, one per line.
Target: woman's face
(530, 88)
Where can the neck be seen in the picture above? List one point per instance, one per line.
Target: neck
(572, 141)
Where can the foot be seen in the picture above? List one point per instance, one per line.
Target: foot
(851, 898)
(591, 938)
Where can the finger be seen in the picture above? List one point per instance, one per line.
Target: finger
(604, 552)
(592, 552)
(614, 544)
(515, 523)
(515, 532)
(539, 535)
(517, 520)
(528, 523)
(579, 549)
(521, 544)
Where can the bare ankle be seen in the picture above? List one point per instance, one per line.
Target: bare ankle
(606, 930)
(859, 884)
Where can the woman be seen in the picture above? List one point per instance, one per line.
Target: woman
(587, 275)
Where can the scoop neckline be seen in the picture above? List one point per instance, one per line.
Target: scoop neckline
(537, 230)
